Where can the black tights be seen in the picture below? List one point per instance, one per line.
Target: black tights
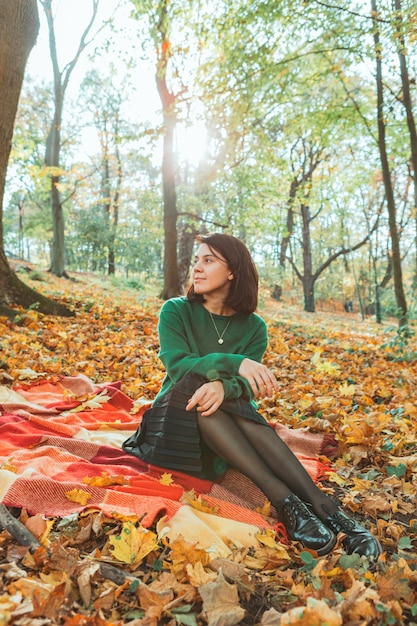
(260, 454)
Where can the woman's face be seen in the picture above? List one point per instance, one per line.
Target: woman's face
(211, 274)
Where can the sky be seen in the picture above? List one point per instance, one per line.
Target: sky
(71, 17)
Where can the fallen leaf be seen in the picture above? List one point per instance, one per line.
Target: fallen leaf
(314, 613)
(78, 495)
(133, 544)
(166, 479)
(221, 603)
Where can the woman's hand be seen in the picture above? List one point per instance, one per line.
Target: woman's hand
(262, 381)
(207, 398)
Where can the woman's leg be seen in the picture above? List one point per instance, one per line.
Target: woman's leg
(259, 453)
(284, 464)
(224, 436)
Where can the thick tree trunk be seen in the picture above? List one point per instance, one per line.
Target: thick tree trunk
(13, 292)
(386, 175)
(19, 25)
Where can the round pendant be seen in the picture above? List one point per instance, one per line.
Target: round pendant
(220, 341)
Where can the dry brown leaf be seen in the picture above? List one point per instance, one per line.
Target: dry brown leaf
(314, 613)
(86, 571)
(394, 585)
(271, 617)
(198, 576)
(221, 603)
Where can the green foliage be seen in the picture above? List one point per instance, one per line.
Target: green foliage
(399, 346)
(36, 275)
(280, 89)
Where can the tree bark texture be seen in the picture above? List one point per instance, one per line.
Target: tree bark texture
(53, 146)
(388, 186)
(52, 155)
(308, 281)
(172, 285)
(19, 25)
(408, 105)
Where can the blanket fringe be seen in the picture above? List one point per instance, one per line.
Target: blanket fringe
(329, 446)
(281, 533)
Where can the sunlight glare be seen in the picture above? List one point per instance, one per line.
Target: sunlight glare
(192, 143)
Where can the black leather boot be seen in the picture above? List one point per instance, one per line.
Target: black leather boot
(303, 526)
(357, 538)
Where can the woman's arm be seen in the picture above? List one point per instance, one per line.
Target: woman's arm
(178, 353)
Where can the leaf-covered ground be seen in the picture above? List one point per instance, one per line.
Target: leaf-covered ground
(337, 374)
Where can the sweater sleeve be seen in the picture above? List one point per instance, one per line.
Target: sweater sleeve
(180, 355)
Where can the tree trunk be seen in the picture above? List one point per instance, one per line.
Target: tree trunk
(53, 147)
(308, 279)
(171, 277)
(187, 236)
(386, 175)
(52, 156)
(172, 286)
(407, 101)
(285, 241)
(116, 199)
(19, 25)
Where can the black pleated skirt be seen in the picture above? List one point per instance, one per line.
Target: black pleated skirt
(169, 437)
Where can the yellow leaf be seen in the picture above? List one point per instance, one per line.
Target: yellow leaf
(78, 495)
(267, 538)
(328, 368)
(94, 402)
(347, 390)
(316, 357)
(305, 402)
(197, 575)
(35, 345)
(9, 466)
(104, 480)
(133, 544)
(166, 479)
(335, 478)
(265, 509)
(28, 374)
(198, 502)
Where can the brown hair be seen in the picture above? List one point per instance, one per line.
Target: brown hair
(243, 294)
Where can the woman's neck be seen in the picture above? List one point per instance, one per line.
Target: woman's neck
(216, 306)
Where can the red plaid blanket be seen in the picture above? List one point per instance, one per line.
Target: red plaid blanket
(60, 452)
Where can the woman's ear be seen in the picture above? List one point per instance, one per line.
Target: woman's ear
(230, 277)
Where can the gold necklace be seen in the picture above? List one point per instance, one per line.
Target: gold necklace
(220, 339)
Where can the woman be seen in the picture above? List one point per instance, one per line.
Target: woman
(204, 417)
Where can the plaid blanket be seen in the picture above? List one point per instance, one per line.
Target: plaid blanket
(60, 453)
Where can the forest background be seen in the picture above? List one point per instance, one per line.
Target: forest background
(290, 125)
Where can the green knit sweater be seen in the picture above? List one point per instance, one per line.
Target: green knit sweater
(189, 344)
